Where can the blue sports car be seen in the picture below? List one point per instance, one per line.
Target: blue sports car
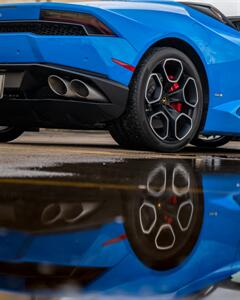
(156, 74)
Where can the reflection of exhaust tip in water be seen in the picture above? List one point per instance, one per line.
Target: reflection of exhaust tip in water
(72, 213)
(51, 214)
(68, 213)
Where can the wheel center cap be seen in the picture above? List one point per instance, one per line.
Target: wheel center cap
(164, 100)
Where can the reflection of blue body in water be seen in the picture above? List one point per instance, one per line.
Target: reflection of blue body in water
(176, 234)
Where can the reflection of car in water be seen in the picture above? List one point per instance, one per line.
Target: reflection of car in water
(169, 228)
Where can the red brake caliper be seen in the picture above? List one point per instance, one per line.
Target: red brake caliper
(172, 201)
(177, 105)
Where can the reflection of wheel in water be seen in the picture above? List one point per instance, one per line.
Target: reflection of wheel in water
(212, 141)
(163, 224)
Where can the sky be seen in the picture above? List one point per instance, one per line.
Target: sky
(229, 7)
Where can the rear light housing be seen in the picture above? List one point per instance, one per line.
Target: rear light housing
(90, 23)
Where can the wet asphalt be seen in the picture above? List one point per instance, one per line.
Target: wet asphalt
(55, 184)
(35, 150)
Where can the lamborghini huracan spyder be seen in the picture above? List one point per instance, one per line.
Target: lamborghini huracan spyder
(157, 74)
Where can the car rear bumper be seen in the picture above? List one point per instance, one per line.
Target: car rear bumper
(28, 103)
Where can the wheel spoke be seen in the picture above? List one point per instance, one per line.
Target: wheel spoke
(172, 113)
(183, 126)
(190, 92)
(180, 124)
(176, 96)
(172, 117)
(154, 89)
(159, 122)
(173, 69)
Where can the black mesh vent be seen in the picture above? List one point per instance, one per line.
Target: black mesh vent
(42, 28)
(35, 276)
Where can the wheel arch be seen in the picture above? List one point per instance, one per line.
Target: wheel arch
(188, 50)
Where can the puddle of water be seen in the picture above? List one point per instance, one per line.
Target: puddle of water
(151, 229)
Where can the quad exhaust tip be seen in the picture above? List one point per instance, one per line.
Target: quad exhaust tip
(57, 85)
(74, 89)
(80, 88)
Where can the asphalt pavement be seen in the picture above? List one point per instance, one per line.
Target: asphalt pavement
(34, 150)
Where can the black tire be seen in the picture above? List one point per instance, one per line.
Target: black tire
(119, 135)
(133, 129)
(9, 134)
(211, 143)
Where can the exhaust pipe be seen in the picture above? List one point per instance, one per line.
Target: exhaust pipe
(85, 91)
(60, 86)
(74, 89)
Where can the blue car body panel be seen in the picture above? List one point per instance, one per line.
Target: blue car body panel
(138, 25)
